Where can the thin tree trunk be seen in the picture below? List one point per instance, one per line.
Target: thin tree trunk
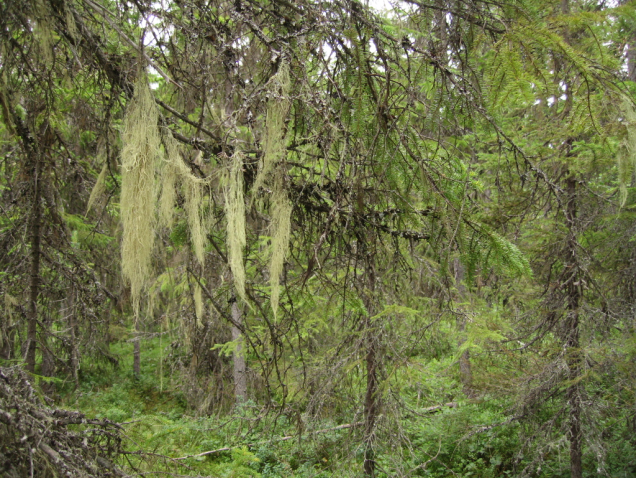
(465, 368)
(34, 240)
(572, 281)
(74, 334)
(240, 368)
(370, 404)
(33, 172)
(48, 359)
(440, 47)
(371, 398)
(6, 351)
(137, 351)
(572, 336)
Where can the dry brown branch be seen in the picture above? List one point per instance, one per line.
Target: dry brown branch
(285, 438)
(35, 439)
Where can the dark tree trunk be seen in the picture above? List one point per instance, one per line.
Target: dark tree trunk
(371, 398)
(137, 349)
(571, 283)
(370, 406)
(33, 170)
(75, 362)
(572, 333)
(240, 378)
(48, 358)
(465, 369)
(6, 351)
(34, 282)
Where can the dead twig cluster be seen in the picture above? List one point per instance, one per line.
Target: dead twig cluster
(39, 441)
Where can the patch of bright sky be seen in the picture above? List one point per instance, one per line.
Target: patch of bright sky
(381, 6)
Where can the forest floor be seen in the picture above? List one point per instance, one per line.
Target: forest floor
(163, 434)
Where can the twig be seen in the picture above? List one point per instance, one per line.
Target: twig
(285, 438)
(99, 8)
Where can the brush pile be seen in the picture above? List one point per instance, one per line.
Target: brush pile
(39, 441)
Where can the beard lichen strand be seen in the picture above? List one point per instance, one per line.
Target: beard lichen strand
(169, 176)
(281, 209)
(70, 21)
(140, 149)
(192, 190)
(278, 107)
(176, 170)
(168, 196)
(100, 184)
(42, 31)
(235, 222)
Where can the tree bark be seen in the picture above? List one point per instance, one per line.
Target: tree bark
(137, 351)
(74, 335)
(571, 282)
(240, 368)
(572, 334)
(371, 398)
(47, 368)
(34, 285)
(465, 369)
(33, 171)
(370, 405)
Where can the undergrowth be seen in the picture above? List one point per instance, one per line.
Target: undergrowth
(164, 436)
(470, 438)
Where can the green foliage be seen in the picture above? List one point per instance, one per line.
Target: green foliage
(84, 234)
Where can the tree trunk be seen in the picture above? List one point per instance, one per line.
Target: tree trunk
(240, 368)
(33, 170)
(572, 334)
(48, 359)
(370, 404)
(137, 351)
(371, 398)
(440, 46)
(74, 335)
(8, 338)
(465, 369)
(573, 289)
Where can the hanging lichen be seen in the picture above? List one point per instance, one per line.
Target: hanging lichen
(168, 196)
(169, 174)
(274, 152)
(277, 109)
(192, 192)
(281, 209)
(71, 26)
(42, 31)
(235, 222)
(175, 169)
(100, 183)
(626, 154)
(140, 149)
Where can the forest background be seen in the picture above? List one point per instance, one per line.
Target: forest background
(273, 238)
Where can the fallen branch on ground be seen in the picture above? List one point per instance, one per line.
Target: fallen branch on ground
(285, 438)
